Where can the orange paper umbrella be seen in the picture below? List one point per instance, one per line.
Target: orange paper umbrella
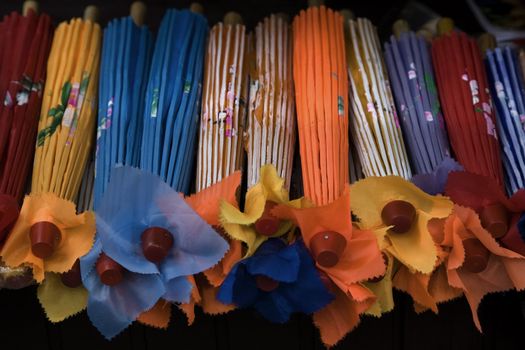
(271, 109)
(223, 102)
(321, 89)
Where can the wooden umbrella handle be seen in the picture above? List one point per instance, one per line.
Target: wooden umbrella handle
(30, 5)
(137, 11)
(487, 41)
(232, 18)
(196, 7)
(91, 13)
(445, 26)
(313, 3)
(400, 26)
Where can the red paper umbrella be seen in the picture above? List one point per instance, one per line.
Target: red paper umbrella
(26, 41)
(463, 91)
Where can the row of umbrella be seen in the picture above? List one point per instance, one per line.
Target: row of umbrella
(155, 247)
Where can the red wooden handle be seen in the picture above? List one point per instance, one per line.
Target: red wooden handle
(400, 215)
(156, 243)
(327, 248)
(109, 271)
(45, 237)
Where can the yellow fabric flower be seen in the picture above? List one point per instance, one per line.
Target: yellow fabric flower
(77, 235)
(240, 225)
(415, 248)
(58, 301)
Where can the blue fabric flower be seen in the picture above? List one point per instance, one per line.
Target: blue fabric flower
(297, 285)
(434, 183)
(134, 201)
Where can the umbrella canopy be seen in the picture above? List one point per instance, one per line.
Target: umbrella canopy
(223, 103)
(172, 98)
(25, 44)
(321, 91)
(125, 64)
(466, 102)
(375, 127)
(507, 88)
(68, 115)
(410, 69)
(271, 108)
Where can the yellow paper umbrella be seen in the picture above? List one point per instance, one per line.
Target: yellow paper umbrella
(223, 102)
(271, 108)
(49, 235)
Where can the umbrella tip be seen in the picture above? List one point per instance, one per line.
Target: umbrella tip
(283, 16)
(425, 34)
(487, 41)
(232, 18)
(347, 15)
(314, 3)
(137, 11)
(400, 26)
(30, 5)
(196, 7)
(91, 13)
(445, 25)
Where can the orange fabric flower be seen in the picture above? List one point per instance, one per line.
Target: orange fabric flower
(361, 260)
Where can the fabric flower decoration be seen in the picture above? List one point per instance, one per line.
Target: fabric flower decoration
(277, 281)
(499, 215)
(147, 228)
(256, 224)
(474, 263)
(434, 183)
(401, 211)
(346, 256)
(48, 236)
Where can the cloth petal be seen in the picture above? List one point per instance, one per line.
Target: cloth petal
(434, 183)
(416, 247)
(77, 232)
(383, 291)
(58, 301)
(178, 290)
(158, 316)
(275, 260)
(239, 287)
(112, 309)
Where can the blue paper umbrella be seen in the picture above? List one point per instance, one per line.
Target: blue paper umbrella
(172, 100)
(126, 56)
(277, 281)
(410, 70)
(134, 201)
(507, 88)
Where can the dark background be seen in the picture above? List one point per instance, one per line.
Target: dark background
(23, 324)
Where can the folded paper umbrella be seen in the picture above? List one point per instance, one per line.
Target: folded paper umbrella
(499, 215)
(124, 63)
(375, 127)
(26, 41)
(223, 102)
(50, 236)
(271, 107)
(321, 91)
(507, 88)
(173, 96)
(407, 57)
(467, 108)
